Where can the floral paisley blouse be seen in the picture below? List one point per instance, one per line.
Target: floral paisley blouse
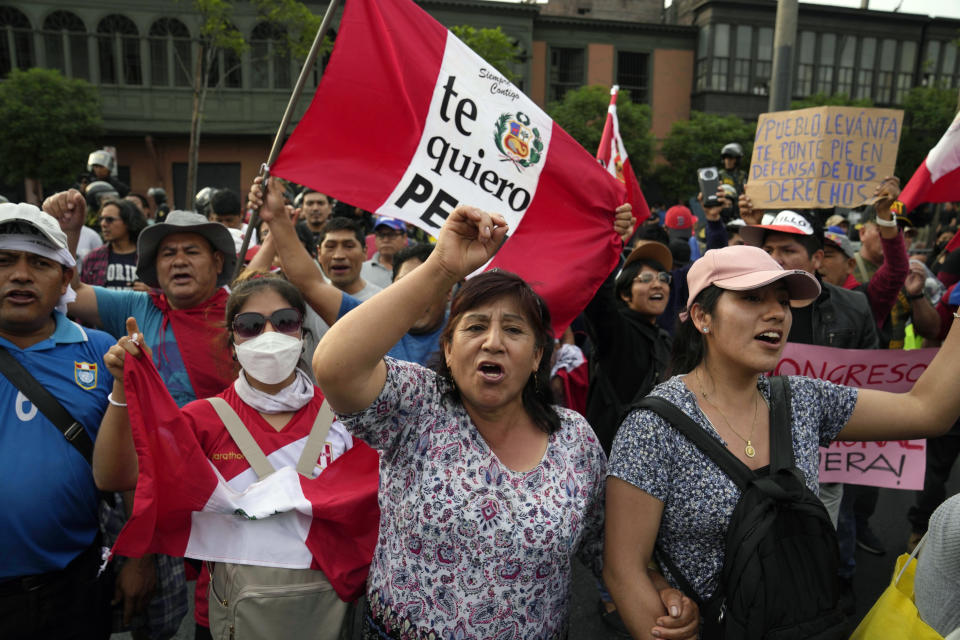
(469, 549)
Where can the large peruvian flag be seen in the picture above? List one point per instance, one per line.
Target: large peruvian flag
(408, 122)
(938, 178)
(613, 156)
(183, 507)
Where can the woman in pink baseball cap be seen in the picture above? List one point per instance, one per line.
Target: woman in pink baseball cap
(664, 491)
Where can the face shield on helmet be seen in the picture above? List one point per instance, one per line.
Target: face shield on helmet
(102, 158)
(158, 194)
(201, 201)
(97, 191)
(732, 150)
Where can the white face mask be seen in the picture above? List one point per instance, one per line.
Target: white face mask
(270, 357)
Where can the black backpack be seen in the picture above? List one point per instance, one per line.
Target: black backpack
(779, 576)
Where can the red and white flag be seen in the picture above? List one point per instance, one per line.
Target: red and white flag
(185, 508)
(408, 122)
(938, 177)
(613, 156)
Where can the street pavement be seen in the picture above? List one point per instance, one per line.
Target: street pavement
(872, 577)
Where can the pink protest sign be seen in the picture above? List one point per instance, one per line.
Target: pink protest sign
(899, 464)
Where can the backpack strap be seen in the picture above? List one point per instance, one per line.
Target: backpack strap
(316, 440)
(242, 437)
(781, 433)
(713, 449)
(48, 405)
(740, 473)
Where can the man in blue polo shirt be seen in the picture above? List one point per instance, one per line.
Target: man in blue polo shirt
(48, 522)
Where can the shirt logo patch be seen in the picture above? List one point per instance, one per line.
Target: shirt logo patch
(85, 374)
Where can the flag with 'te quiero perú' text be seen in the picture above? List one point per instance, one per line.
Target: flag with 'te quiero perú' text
(408, 122)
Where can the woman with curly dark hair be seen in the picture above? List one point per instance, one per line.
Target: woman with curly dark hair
(487, 490)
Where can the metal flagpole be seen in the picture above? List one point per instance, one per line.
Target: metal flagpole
(285, 122)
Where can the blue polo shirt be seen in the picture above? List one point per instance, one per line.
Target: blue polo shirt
(116, 306)
(412, 348)
(418, 347)
(49, 501)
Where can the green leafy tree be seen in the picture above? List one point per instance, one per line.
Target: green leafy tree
(695, 143)
(217, 33)
(493, 45)
(583, 112)
(50, 123)
(927, 112)
(835, 100)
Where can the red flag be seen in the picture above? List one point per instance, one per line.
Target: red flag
(184, 507)
(408, 122)
(938, 177)
(613, 156)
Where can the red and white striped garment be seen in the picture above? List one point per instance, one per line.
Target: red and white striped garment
(198, 498)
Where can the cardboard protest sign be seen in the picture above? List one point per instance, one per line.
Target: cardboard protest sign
(822, 157)
(897, 464)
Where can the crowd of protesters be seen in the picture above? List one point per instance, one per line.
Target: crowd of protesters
(504, 451)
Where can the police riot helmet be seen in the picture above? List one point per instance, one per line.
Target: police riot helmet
(158, 194)
(97, 190)
(102, 158)
(201, 201)
(733, 150)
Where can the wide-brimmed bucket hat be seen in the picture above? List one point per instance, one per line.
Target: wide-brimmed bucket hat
(184, 222)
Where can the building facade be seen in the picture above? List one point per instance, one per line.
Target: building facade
(879, 55)
(139, 55)
(710, 55)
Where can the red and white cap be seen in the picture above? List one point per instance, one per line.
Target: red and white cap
(741, 268)
(785, 222)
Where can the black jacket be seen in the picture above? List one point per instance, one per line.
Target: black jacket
(843, 319)
(630, 356)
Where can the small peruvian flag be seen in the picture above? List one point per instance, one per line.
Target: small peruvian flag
(938, 178)
(613, 156)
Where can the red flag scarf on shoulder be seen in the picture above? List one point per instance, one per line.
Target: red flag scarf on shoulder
(408, 122)
(613, 156)
(201, 338)
(183, 505)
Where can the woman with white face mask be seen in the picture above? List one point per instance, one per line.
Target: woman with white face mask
(274, 407)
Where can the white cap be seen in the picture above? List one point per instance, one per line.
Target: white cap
(30, 215)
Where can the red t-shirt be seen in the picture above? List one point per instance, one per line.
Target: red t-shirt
(282, 447)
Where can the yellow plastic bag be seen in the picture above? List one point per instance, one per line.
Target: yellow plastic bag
(894, 616)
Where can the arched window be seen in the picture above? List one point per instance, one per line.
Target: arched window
(16, 41)
(226, 69)
(269, 59)
(119, 48)
(65, 43)
(169, 53)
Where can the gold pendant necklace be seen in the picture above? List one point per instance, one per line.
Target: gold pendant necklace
(748, 449)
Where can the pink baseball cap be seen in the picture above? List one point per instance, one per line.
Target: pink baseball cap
(741, 268)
